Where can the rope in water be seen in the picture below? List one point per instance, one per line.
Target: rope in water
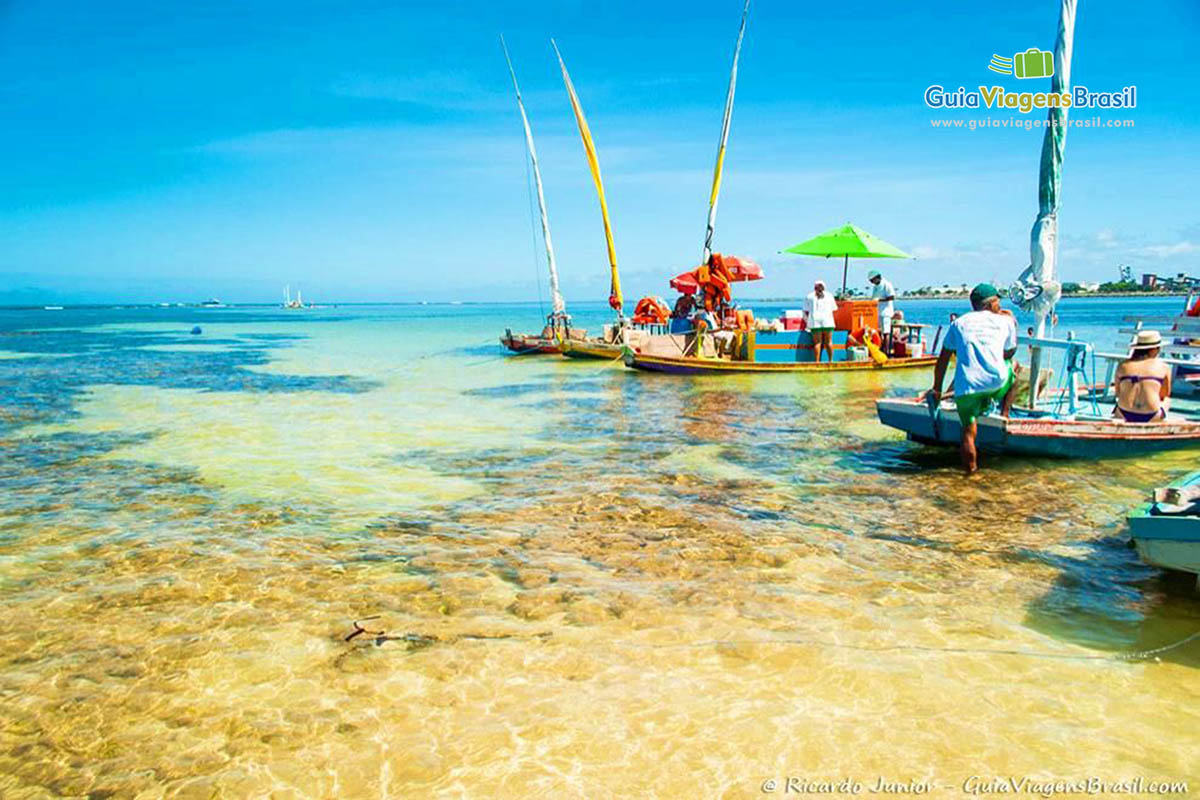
(378, 638)
(1137, 655)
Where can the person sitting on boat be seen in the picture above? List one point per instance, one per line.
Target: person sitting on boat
(818, 311)
(1143, 381)
(884, 293)
(983, 342)
(683, 307)
(900, 335)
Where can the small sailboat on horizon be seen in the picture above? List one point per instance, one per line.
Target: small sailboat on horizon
(296, 302)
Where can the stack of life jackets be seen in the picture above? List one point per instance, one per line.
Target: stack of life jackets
(651, 311)
(714, 280)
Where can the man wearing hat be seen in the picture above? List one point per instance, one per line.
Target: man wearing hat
(983, 342)
(883, 292)
(1143, 381)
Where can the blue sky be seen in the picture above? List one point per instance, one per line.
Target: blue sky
(372, 151)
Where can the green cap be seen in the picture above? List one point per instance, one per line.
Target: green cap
(981, 292)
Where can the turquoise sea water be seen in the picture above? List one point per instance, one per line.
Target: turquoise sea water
(594, 582)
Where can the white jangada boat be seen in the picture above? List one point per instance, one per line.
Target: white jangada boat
(1074, 420)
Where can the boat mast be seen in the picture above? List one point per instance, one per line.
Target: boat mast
(1038, 285)
(716, 184)
(556, 298)
(589, 148)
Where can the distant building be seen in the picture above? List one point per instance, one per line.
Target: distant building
(1182, 282)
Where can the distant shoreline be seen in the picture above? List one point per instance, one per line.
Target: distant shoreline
(585, 303)
(1078, 295)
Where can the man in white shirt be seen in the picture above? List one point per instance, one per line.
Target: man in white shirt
(884, 293)
(818, 311)
(984, 343)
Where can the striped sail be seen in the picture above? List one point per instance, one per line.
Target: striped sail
(717, 170)
(589, 148)
(556, 297)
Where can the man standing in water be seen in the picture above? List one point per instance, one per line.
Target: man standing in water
(984, 343)
(818, 309)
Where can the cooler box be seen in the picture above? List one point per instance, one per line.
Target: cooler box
(792, 319)
(854, 314)
(681, 326)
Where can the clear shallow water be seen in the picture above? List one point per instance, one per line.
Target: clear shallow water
(608, 584)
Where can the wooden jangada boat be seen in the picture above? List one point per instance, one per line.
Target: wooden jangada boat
(749, 350)
(1074, 421)
(738, 345)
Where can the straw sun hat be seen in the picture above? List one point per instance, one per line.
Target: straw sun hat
(1146, 340)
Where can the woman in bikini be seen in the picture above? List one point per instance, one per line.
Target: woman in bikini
(1143, 381)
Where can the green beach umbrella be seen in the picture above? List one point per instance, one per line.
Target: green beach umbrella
(848, 241)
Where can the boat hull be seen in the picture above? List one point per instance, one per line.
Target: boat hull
(1038, 435)
(1168, 541)
(597, 351)
(683, 365)
(531, 345)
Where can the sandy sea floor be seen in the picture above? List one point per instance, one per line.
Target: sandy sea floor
(593, 583)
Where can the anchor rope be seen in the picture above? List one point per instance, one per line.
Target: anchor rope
(378, 638)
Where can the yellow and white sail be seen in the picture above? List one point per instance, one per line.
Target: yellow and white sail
(589, 148)
(720, 165)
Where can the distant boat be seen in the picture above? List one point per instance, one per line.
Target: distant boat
(212, 302)
(53, 308)
(293, 302)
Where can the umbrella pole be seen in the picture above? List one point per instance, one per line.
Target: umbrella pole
(845, 272)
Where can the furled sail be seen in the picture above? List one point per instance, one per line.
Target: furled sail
(556, 297)
(716, 183)
(589, 147)
(1038, 288)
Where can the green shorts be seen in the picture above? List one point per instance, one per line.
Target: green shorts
(972, 406)
(820, 330)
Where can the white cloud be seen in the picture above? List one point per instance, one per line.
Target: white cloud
(1169, 250)
(458, 91)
